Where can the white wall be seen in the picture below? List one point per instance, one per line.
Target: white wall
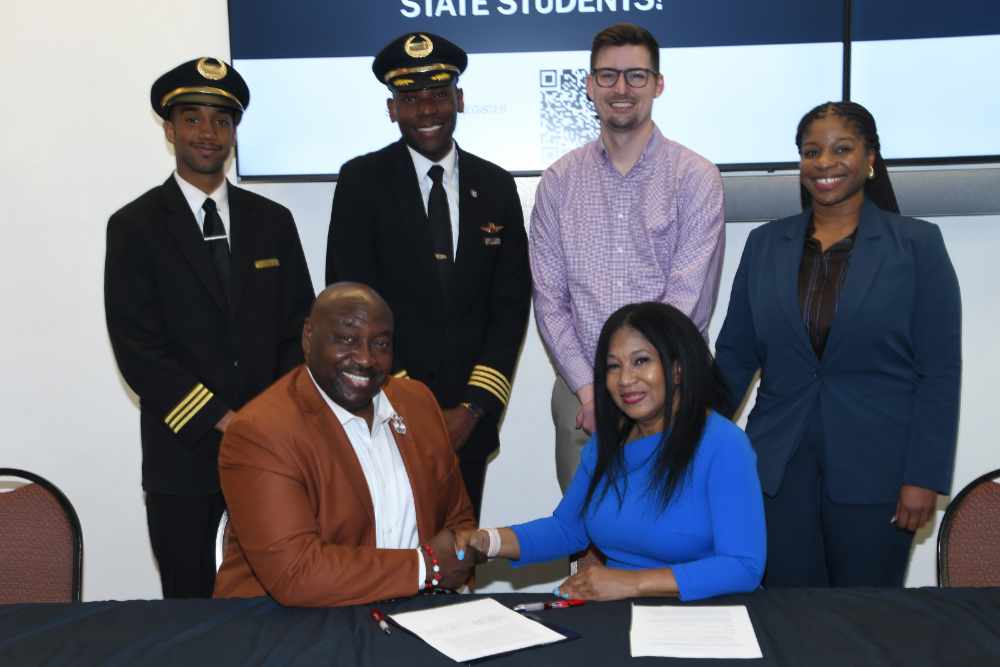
(80, 140)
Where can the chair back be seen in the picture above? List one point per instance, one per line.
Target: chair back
(969, 537)
(41, 543)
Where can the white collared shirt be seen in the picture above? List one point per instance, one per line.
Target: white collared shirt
(385, 474)
(450, 182)
(195, 198)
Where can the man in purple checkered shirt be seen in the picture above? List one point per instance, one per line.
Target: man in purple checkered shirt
(631, 216)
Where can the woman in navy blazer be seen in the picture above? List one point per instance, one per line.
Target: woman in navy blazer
(852, 314)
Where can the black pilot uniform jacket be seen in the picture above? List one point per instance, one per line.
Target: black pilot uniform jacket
(188, 353)
(463, 347)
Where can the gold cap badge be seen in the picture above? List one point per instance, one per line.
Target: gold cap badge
(418, 46)
(212, 69)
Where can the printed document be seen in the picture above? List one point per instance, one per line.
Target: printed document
(693, 632)
(471, 630)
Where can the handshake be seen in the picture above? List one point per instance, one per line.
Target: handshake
(457, 554)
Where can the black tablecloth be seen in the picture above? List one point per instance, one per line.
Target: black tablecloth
(795, 628)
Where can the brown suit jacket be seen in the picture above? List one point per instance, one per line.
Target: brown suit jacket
(302, 524)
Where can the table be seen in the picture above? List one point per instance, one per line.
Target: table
(795, 627)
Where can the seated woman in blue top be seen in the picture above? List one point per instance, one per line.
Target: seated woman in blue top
(667, 489)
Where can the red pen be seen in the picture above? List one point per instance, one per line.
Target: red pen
(557, 604)
(379, 618)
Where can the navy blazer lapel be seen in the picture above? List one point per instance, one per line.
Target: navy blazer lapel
(788, 257)
(184, 228)
(240, 246)
(866, 259)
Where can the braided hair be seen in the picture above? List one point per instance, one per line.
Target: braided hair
(878, 189)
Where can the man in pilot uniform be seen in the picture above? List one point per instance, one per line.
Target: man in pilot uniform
(206, 289)
(439, 233)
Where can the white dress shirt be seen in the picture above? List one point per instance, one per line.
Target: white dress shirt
(385, 474)
(195, 198)
(450, 182)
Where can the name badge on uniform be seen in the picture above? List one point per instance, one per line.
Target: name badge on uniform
(271, 263)
(491, 240)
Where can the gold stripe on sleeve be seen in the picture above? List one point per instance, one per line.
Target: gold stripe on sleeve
(486, 379)
(489, 388)
(194, 410)
(184, 402)
(198, 398)
(494, 373)
(489, 377)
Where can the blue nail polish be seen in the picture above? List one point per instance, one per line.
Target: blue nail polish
(565, 596)
(555, 591)
(461, 554)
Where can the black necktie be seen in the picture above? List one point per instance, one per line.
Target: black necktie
(440, 219)
(218, 247)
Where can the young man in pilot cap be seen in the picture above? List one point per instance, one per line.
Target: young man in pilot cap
(439, 233)
(206, 289)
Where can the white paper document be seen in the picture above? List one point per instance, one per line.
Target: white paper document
(471, 630)
(693, 632)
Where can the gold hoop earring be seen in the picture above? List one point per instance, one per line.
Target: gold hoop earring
(871, 172)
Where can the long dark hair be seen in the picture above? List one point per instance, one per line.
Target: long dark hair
(878, 189)
(701, 388)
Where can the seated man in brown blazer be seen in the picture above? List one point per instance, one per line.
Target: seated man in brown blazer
(341, 484)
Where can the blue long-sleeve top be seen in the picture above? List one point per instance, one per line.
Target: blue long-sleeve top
(711, 534)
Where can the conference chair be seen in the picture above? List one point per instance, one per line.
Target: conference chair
(969, 537)
(41, 542)
(221, 540)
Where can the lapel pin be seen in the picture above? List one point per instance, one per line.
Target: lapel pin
(473, 192)
(398, 425)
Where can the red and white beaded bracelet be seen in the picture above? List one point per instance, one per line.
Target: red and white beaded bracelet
(434, 576)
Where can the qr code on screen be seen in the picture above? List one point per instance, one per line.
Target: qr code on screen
(568, 119)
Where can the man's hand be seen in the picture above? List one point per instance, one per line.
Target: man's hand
(460, 421)
(223, 423)
(585, 418)
(453, 572)
(599, 582)
(915, 507)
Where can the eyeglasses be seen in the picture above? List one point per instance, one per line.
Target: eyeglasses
(636, 77)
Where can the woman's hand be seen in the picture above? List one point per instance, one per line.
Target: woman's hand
(599, 582)
(915, 507)
(476, 544)
(477, 539)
